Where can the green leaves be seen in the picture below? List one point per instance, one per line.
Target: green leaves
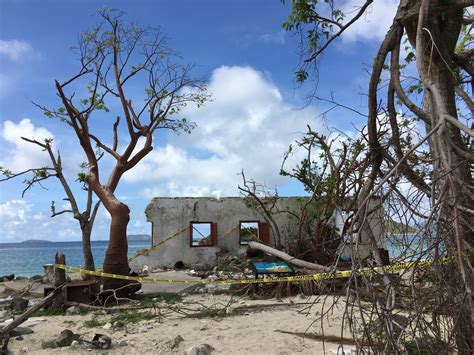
(301, 76)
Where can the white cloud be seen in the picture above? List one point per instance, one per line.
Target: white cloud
(21, 220)
(246, 126)
(15, 49)
(374, 24)
(22, 155)
(273, 38)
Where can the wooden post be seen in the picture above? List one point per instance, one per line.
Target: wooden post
(59, 280)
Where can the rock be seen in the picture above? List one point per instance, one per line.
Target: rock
(118, 324)
(10, 277)
(19, 331)
(176, 341)
(4, 315)
(73, 310)
(19, 304)
(20, 338)
(49, 344)
(107, 326)
(169, 345)
(101, 341)
(5, 303)
(75, 344)
(123, 343)
(48, 273)
(66, 337)
(203, 349)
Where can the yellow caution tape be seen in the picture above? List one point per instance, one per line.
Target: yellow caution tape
(153, 247)
(313, 277)
(228, 232)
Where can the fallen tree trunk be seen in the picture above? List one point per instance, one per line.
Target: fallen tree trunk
(23, 317)
(288, 258)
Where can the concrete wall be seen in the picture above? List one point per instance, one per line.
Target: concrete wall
(169, 215)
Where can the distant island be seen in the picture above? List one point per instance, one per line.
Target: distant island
(139, 238)
(130, 238)
(392, 227)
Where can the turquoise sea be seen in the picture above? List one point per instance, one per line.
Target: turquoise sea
(27, 259)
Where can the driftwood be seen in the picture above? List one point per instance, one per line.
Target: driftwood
(4, 332)
(288, 258)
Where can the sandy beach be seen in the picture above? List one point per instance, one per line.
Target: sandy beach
(244, 326)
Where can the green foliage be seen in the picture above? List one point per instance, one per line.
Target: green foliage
(131, 317)
(301, 76)
(5, 172)
(50, 312)
(94, 322)
(316, 21)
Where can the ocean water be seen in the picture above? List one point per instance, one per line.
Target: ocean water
(27, 259)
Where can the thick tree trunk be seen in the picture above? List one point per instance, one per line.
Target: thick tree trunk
(116, 260)
(451, 171)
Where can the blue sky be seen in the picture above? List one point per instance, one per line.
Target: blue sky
(256, 112)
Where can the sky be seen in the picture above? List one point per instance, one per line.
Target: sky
(256, 111)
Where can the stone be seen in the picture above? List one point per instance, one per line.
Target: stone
(5, 303)
(203, 349)
(107, 326)
(19, 304)
(75, 344)
(169, 345)
(19, 331)
(4, 315)
(176, 341)
(73, 310)
(49, 344)
(123, 343)
(20, 338)
(118, 324)
(66, 337)
(101, 341)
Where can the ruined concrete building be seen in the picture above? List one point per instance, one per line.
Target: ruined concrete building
(195, 229)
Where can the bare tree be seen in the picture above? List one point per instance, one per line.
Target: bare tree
(114, 56)
(38, 175)
(426, 172)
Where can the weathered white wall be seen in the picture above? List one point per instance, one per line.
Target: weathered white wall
(169, 215)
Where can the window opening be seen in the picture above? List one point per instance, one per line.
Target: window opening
(249, 232)
(201, 234)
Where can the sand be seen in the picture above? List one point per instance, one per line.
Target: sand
(252, 331)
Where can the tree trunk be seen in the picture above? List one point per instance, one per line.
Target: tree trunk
(451, 171)
(116, 257)
(86, 247)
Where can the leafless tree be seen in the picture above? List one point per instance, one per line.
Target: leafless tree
(113, 56)
(38, 175)
(424, 174)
